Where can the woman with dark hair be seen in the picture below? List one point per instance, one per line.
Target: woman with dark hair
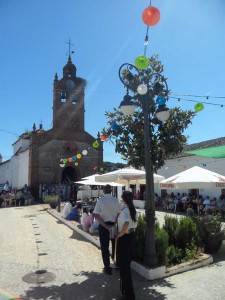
(127, 222)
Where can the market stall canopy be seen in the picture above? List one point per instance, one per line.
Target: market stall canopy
(214, 152)
(127, 176)
(93, 182)
(194, 178)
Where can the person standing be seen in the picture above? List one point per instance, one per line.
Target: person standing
(106, 212)
(127, 223)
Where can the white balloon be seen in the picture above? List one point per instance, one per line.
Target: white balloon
(142, 89)
(84, 152)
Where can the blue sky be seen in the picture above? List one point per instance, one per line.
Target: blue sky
(189, 40)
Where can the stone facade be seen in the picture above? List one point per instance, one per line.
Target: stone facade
(66, 140)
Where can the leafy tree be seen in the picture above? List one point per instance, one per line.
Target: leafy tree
(110, 166)
(127, 132)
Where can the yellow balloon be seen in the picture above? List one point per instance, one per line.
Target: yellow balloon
(76, 164)
(78, 156)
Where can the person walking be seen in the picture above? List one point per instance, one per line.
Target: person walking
(127, 223)
(106, 212)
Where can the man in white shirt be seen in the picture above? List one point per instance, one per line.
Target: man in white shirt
(106, 212)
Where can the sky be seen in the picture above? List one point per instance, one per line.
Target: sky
(189, 39)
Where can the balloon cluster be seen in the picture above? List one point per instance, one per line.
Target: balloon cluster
(150, 17)
(95, 168)
(72, 159)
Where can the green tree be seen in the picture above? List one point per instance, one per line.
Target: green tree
(167, 138)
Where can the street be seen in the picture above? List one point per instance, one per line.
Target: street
(41, 258)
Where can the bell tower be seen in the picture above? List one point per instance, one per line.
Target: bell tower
(68, 99)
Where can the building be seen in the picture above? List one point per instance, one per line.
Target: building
(214, 160)
(66, 152)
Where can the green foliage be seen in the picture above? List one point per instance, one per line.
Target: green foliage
(187, 233)
(178, 241)
(161, 244)
(50, 199)
(167, 138)
(211, 228)
(110, 166)
(139, 243)
(173, 255)
(170, 226)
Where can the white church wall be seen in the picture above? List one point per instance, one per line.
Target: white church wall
(19, 169)
(21, 144)
(4, 172)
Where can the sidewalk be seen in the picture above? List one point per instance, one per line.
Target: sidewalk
(147, 273)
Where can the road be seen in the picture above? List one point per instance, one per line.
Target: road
(41, 258)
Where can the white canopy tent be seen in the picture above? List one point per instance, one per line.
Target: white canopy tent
(127, 176)
(93, 182)
(194, 178)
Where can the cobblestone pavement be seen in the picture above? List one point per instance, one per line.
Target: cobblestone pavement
(41, 258)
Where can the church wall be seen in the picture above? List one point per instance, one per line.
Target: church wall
(21, 144)
(5, 172)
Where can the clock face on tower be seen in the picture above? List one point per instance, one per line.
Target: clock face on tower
(70, 84)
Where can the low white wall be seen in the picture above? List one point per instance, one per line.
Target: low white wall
(139, 204)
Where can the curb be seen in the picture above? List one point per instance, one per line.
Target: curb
(147, 273)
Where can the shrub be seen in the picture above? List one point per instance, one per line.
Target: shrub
(187, 233)
(176, 242)
(173, 255)
(171, 224)
(50, 198)
(161, 243)
(139, 241)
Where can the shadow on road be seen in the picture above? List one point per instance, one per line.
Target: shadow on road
(95, 286)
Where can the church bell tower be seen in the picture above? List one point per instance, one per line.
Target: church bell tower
(68, 101)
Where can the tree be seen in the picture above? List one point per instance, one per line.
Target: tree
(127, 132)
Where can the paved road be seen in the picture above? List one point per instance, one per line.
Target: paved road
(41, 258)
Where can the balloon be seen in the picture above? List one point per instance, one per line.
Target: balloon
(61, 164)
(70, 159)
(74, 158)
(84, 152)
(103, 137)
(151, 16)
(95, 168)
(76, 164)
(95, 144)
(78, 156)
(65, 160)
(101, 169)
(160, 100)
(142, 89)
(115, 126)
(199, 107)
(141, 62)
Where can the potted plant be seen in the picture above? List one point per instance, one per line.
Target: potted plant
(52, 200)
(212, 233)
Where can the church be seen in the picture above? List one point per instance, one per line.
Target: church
(66, 152)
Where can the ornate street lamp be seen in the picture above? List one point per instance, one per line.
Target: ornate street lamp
(147, 87)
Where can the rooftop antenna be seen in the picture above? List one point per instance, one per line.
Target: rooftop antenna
(70, 52)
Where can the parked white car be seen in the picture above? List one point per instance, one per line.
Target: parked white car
(86, 192)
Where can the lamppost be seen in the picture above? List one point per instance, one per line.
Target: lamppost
(146, 86)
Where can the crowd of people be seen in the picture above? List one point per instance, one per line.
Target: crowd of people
(199, 204)
(15, 197)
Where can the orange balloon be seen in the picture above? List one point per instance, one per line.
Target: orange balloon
(103, 137)
(151, 16)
